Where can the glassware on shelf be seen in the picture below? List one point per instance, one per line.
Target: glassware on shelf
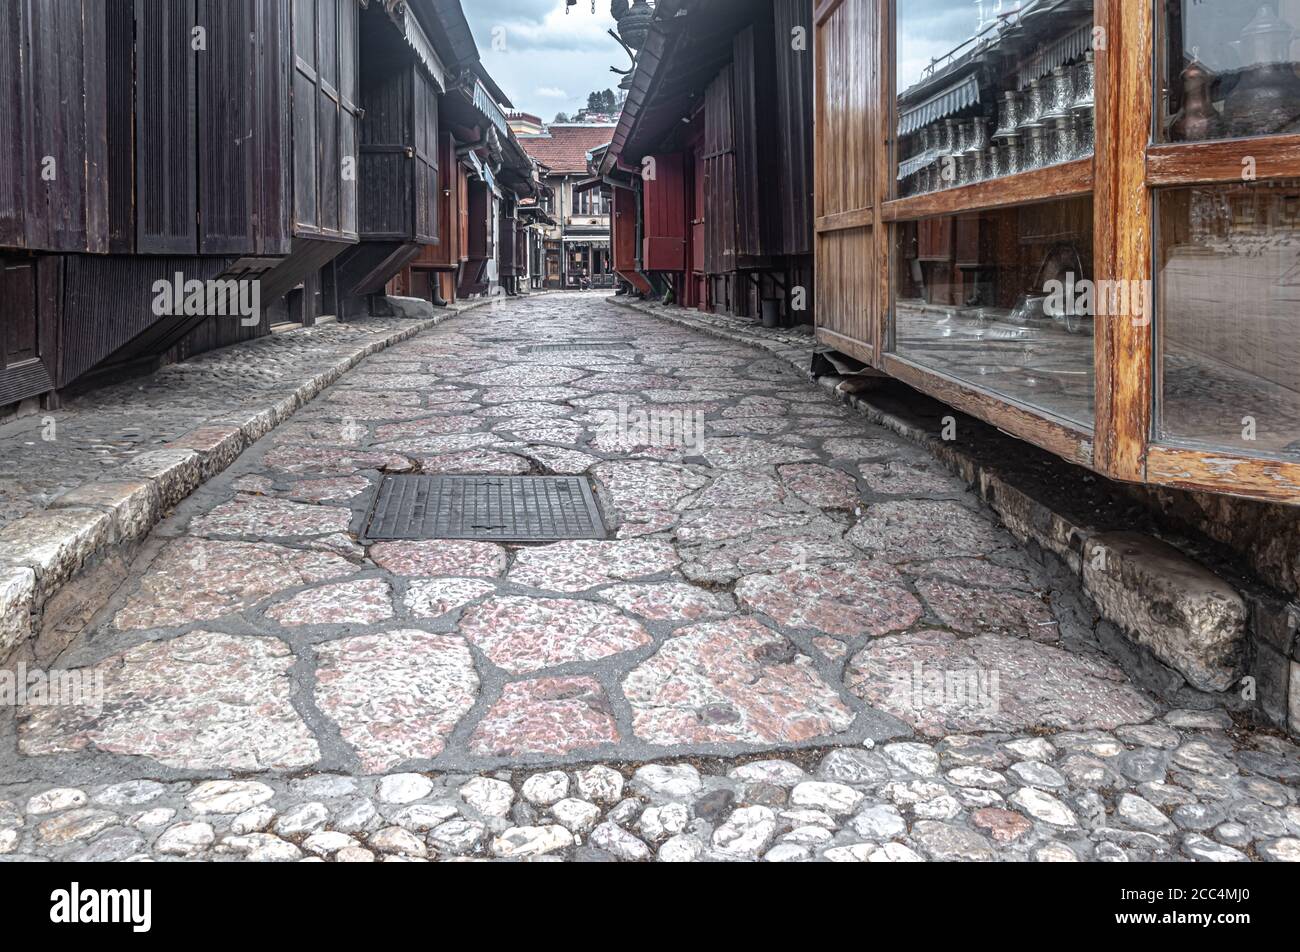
(1085, 84)
(1267, 97)
(1087, 134)
(1032, 115)
(977, 145)
(1010, 112)
(946, 137)
(1012, 163)
(1035, 156)
(1058, 93)
(1063, 143)
(965, 169)
(993, 161)
(965, 133)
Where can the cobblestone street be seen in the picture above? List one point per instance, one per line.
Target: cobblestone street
(803, 640)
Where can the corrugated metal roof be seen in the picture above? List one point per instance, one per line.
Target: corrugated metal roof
(962, 94)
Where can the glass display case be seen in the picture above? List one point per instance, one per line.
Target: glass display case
(1228, 285)
(1015, 93)
(1000, 300)
(1228, 70)
(1090, 216)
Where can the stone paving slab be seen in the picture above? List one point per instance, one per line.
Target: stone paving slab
(773, 658)
(1216, 635)
(97, 433)
(110, 464)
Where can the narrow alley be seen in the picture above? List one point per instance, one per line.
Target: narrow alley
(802, 638)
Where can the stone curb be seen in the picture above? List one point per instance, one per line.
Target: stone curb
(43, 552)
(1186, 616)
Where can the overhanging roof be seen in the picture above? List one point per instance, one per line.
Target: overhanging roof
(450, 31)
(689, 42)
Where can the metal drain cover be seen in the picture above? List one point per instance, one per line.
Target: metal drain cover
(579, 347)
(494, 508)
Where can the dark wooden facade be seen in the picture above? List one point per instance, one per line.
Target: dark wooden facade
(295, 142)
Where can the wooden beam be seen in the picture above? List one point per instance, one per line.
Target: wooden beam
(1229, 161)
(1067, 440)
(862, 217)
(1208, 471)
(1125, 360)
(1067, 180)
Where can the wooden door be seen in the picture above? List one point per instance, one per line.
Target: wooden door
(665, 215)
(699, 295)
(848, 150)
(28, 298)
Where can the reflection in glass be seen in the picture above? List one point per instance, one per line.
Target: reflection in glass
(1002, 300)
(1229, 316)
(1011, 90)
(1229, 69)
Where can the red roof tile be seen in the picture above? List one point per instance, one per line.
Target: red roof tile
(564, 149)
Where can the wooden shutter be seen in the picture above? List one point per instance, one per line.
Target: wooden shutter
(425, 159)
(325, 93)
(166, 132)
(720, 175)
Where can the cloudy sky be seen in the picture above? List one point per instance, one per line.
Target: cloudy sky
(928, 29)
(545, 60)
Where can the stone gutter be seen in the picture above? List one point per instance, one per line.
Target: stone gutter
(53, 564)
(1170, 621)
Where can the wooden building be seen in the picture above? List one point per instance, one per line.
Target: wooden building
(579, 239)
(307, 150)
(1082, 224)
(487, 183)
(710, 163)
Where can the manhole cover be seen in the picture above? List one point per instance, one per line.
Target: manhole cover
(579, 347)
(496, 508)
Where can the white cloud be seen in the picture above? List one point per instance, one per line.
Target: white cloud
(569, 53)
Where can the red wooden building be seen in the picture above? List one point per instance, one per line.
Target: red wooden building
(710, 164)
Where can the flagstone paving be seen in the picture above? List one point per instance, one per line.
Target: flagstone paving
(803, 639)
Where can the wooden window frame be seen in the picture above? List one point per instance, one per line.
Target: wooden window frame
(867, 348)
(1037, 425)
(1126, 169)
(1153, 165)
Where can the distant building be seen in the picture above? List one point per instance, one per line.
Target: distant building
(579, 241)
(524, 123)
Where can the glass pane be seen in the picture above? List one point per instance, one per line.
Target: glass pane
(1229, 69)
(1003, 300)
(988, 88)
(1229, 310)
